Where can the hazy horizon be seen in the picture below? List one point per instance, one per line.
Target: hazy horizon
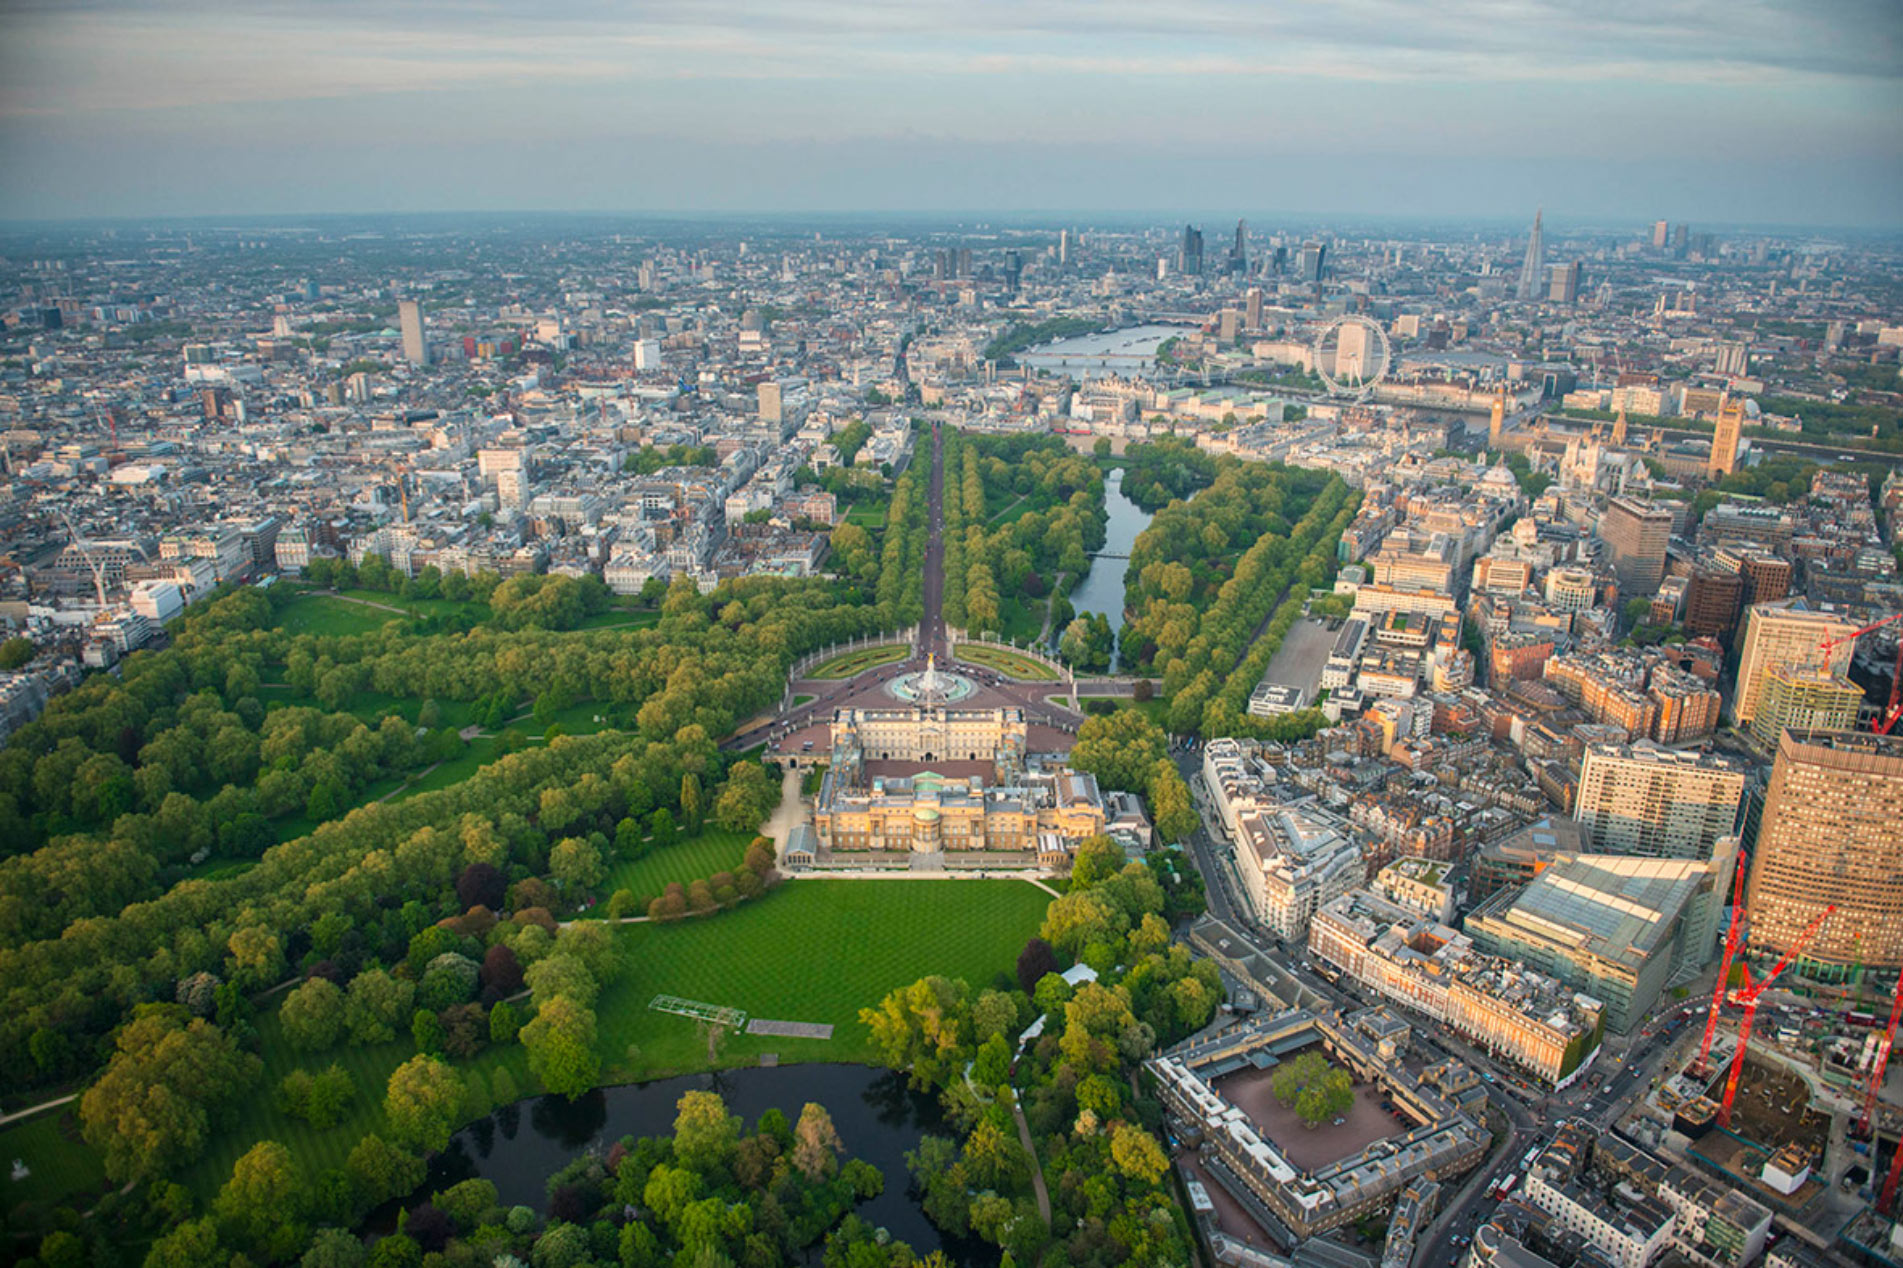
(1768, 112)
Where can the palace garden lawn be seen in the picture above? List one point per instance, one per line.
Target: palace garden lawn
(808, 950)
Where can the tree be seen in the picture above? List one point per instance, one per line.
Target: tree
(1137, 1155)
(380, 1170)
(168, 1081)
(501, 973)
(504, 1023)
(190, 1245)
(705, 1134)
(422, 1102)
(16, 652)
(318, 1099)
(262, 1207)
(561, 1047)
(576, 864)
(333, 1248)
(1097, 857)
(1034, 962)
(450, 979)
(690, 802)
(313, 1015)
(482, 885)
(426, 1029)
(376, 1005)
(561, 974)
(817, 1147)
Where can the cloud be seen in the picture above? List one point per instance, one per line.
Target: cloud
(156, 54)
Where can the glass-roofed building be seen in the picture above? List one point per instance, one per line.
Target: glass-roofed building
(1619, 928)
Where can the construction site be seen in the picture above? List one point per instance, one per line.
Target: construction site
(1788, 1099)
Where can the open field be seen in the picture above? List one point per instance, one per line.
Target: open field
(58, 1162)
(327, 615)
(854, 663)
(868, 514)
(687, 859)
(1155, 708)
(481, 752)
(812, 951)
(1010, 664)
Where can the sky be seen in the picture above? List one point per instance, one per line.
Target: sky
(1722, 111)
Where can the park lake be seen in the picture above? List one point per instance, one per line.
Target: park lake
(878, 1117)
(1102, 590)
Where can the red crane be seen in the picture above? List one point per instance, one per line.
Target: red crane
(1748, 995)
(1894, 710)
(1702, 1066)
(1866, 1121)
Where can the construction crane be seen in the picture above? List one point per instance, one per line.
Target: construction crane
(1893, 711)
(1749, 994)
(1702, 1066)
(1866, 1121)
(79, 544)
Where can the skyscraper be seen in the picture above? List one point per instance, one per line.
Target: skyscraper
(1724, 440)
(1660, 233)
(1239, 253)
(1063, 246)
(1533, 269)
(1785, 634)
(1637, 533)
(1314, 261)
(1832, 832)
(1253, 304)
(1657, 802)
(415, 348)
(1189, 257)
(1563, 283)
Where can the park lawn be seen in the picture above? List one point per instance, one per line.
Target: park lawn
(687, 859)
(1155, 709)
(1021, 620)
(871, 937)
(57, 1163)
(1011, 664)
(328, 616)
(480, 753)
(869, 514)
(800, 700)
(369, 1068)
(857, 662)
(585, 718)
(814, 951)
(479, 612)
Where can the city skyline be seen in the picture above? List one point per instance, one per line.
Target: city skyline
(120, 109)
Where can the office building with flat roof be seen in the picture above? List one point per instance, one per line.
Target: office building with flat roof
(1657, 802)
(1636, 534)
(1832, 832)
(1620, 929)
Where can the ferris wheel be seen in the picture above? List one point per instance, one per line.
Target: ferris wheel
(1351, 356)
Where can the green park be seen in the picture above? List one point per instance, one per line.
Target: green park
(358, 860)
